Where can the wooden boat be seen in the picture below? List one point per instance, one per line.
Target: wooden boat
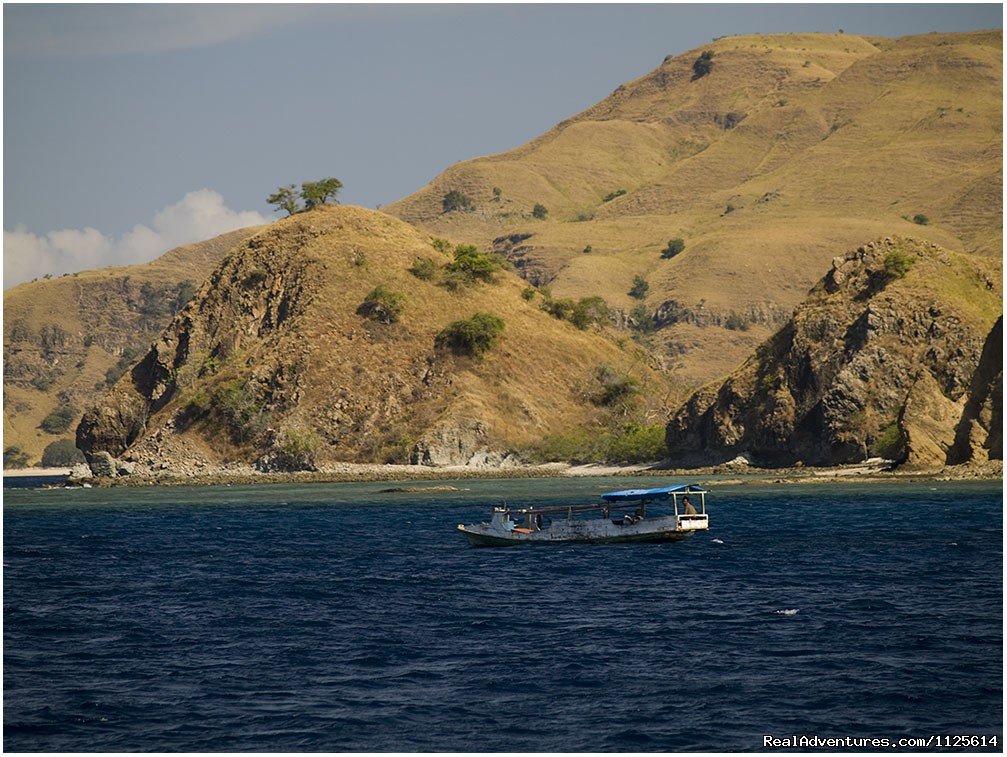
(664, 514)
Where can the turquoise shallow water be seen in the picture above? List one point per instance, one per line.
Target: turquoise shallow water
(335, 617)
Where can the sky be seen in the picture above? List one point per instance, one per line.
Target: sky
(132, 129)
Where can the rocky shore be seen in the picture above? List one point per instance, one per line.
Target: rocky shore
(115, 473)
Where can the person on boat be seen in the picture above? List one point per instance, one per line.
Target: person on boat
(640, 514)
(687, 505)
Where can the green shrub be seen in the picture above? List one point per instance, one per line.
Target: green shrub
(588, 311)
(702, 65)
(497, 194)
(632, 443)
(897, 264)
(639, 289)
(43, 383)
(198, 405)
(528, 293)
(637, 443)
(642, 320)
(735, 322)
(583, 216)
(61, 453)
(890, 443)
(382, 305)
(424, 269)
(15, 457)
(579, 445)
(471, 265)
(235, 404)
(561, 308)
(59, 420)
(540, 211)
(441, 245)
(588, 249)
(456, 201)
(616, 389)
(295, 450)
(474, 336)
(612, 195)
(674, 247)
(921, 219)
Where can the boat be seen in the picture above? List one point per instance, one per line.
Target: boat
(664, 514)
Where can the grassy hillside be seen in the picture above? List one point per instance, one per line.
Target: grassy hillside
(62, 336)
(790, 148)
(285, 341)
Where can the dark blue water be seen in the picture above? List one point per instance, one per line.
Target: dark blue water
(32, 482)
(333, 617)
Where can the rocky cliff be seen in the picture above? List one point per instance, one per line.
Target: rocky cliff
(67, 339)
(979, 435)
(881, 360)
(321, 339)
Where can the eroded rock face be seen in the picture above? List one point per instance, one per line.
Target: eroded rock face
(979, 434)
(871, 364)
(249, 297)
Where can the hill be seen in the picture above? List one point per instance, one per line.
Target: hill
(888, 356)
(68, 338)
(328, 337)
(789, 147)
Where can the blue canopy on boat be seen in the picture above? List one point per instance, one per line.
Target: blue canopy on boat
(663, 493)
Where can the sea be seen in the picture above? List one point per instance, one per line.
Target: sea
(345, 617)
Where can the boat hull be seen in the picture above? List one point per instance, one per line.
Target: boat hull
(480, 538)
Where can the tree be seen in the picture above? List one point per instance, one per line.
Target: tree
(15, 457)
(588, 311)
(61, 453)
(674, 247)
(186, 291)
(921, 219)
(473, 336)
(285, 198)
(470, 264)
(455, 200)
(316, 193)
(639, 289)
(59, 420)
(702, 65)
(540, 211)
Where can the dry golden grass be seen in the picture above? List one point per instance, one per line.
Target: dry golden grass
(844, 139)
(370, 389)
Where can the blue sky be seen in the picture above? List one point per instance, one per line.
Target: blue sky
(130, 129)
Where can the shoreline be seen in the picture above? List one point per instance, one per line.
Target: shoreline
(35, 472)
(725, 475)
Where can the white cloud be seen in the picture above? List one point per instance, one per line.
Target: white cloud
(197, 216)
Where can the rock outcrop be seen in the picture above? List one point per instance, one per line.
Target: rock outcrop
(880, 360)
(979, 435)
